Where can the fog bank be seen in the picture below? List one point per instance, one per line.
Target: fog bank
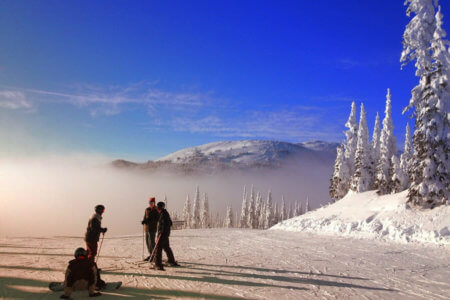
(49, 196)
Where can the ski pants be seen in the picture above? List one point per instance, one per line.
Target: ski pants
(150, 241)
(91, 248)
(163, 244)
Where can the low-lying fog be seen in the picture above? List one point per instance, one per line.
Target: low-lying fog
(56, 195)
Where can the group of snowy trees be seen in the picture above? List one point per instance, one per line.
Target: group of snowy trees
(259, 214)
(255, 212)
(363, 165)
(197, 215)
(423, 166)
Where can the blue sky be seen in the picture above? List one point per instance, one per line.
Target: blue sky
(141, 79)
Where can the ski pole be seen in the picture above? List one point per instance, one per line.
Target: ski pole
(154, 249)
(100, 248)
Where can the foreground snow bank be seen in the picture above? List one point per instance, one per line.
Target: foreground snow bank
(368, 215)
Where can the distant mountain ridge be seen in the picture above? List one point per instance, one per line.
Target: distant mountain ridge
(246, 154)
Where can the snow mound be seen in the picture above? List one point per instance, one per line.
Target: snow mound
(368, 215)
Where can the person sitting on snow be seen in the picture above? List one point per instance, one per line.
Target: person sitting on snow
(81, 274)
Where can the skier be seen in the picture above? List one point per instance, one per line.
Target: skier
(93, 232)
(81, 273)
(150, 223)
(164, 224)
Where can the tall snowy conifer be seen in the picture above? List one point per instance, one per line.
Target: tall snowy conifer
(187, 213)
(362, 177)
(406, 157)
(399, 178)
(339, 182)
(350, 145)
(424, 41)
(196, 221)
(205, 212)
(283, 209)
(307, 208)
(244, 209)
(269, 222)
(251, 209)
(276, 214)
(229, 218)
(383, 180)
(375, 154)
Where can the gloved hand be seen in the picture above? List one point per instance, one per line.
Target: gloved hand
(105, 230)
(143, 222)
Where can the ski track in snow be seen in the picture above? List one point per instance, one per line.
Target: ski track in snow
(237, 264)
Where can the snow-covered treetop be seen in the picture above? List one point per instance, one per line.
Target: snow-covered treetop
(418, 34)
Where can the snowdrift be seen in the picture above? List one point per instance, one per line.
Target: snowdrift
(368, 215)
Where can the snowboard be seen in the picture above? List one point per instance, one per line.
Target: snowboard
(59, 286)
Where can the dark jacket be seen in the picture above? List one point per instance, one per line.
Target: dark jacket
(94, 229)
(80, 268)
(151, 218)
(164, 224)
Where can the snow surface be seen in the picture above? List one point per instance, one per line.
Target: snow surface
(368, 215)
(237, 264)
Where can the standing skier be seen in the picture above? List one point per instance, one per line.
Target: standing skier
(164, 225)
(93, 231)
(150, 223)
(81, 274)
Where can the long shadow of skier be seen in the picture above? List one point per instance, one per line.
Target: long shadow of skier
(211, 276)
(272, 270)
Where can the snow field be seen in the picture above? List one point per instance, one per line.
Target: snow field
(237, 264)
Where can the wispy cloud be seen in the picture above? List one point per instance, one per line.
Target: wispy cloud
(113, 100)
(193, 112)
(14, 100)
(295, 123)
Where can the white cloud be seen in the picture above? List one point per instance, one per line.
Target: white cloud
(14, 100)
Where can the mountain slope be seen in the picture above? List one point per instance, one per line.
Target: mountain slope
(244, 154)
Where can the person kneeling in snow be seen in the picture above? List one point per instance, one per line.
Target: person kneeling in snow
(81, 274)
(164, 225)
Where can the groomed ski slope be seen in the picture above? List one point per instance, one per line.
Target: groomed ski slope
(238, 264)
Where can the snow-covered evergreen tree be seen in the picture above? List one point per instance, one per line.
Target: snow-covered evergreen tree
(406, 157)
(262, 216)
(300, 209)
(375, 154)
(196, 220)
(283, 209)
(187, 212)
(251, 209)
(351, 143)
(229, 217)
(244, 210)
(307, 207)
(276, 214)
(258, 206)
(383, 180)
(205, 212)
(269, 221)
(399, 178)
(424, 41)
(362, 177)
(339, 182)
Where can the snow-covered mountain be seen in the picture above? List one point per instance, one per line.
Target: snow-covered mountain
(244, 154)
